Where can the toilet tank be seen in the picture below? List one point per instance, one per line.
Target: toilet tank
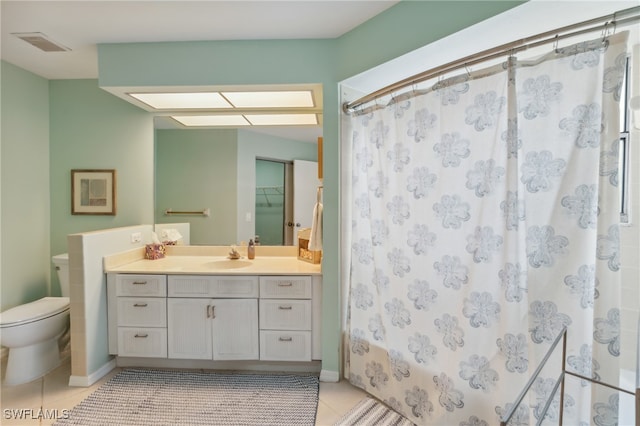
(61, 261)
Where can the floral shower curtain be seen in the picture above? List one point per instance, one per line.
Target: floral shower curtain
(484, 220)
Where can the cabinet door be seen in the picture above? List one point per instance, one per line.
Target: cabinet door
(235, 329)
(189, 328)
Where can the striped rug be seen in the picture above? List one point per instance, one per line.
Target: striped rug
(171, 397)
(370, 412)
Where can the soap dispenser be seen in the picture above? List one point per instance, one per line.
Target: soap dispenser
(251, 250)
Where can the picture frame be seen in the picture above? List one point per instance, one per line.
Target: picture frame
(93, 192)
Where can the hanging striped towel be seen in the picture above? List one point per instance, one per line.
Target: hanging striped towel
(315, 240)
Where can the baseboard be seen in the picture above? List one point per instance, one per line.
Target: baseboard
(253, 366)
(329, 376)
(86, 381)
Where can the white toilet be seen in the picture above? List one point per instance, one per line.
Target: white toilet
(31, 331)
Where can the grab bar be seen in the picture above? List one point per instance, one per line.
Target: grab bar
(560, 383)
(205, 212)
(505, 419)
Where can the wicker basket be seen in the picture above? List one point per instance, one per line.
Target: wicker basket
(311, 256)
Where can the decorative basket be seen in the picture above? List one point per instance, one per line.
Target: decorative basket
(154, 251)
(311, 256)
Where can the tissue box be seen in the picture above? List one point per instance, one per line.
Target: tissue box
(154, 251)
(311, 256)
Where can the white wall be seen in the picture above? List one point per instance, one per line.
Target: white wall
(630, 239)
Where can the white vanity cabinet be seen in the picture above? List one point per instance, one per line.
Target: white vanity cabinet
(189, 320)
(285, 318)
(141, 312)
(217, 321)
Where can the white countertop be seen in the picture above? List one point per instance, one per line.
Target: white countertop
(219, 265)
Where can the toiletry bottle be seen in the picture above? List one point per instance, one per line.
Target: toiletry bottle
(257, 240)
(251, 250)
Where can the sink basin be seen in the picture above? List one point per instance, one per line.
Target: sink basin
(228, 264)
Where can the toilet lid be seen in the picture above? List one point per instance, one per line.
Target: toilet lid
(41, 308)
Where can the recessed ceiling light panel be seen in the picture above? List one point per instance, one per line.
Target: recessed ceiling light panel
(211, 120)
(282, 119)
(279, 99)
(197, 100)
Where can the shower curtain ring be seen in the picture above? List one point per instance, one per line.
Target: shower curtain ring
(467, 69)
(605, 31)
(555, 44)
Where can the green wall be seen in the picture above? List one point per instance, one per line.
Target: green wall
(407, 26)
(25, 210)
(270, 205)
(196, 169)
(91, 129)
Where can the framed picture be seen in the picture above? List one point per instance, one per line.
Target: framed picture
(93, 192)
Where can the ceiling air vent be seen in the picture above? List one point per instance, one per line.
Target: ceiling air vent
(42, 42)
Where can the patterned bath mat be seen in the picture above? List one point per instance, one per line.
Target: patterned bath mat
(168, 397)
(370, 412)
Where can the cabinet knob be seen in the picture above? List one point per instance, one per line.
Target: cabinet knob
(141, 336)
(140, 305)
(285, 339)
(139, 282)
(285, 308)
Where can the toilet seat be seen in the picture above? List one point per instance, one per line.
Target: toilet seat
(33, 311)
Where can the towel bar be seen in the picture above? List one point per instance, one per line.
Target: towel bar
(205, 212)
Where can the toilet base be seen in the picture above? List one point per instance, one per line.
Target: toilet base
(28, 363)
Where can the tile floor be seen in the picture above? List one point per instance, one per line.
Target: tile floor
(51, 393)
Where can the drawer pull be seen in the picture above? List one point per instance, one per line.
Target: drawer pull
(139, 282)
(285, 308)
(285, 339)
(211, 311)
(141, 336)
(140, 305)
(285, 284)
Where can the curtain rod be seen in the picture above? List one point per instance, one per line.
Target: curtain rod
(619, 18)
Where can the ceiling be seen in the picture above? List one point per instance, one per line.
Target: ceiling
(82, 24)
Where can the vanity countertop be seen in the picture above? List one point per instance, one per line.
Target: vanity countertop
(203, 263)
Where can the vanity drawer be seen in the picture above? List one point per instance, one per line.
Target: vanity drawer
(142, 311)
(141, 285)
(288, 287)
(285, 314)
(285, 345)
(213, 286)
(142, 342)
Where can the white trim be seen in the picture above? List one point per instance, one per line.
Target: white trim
(239, 365)
(329, 376)
(86, 381)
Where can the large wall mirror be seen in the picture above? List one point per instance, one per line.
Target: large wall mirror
(220, 171)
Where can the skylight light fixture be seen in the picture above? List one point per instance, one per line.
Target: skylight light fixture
(211, 120)
(282, 119)
(271, 99)
(196, 100)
